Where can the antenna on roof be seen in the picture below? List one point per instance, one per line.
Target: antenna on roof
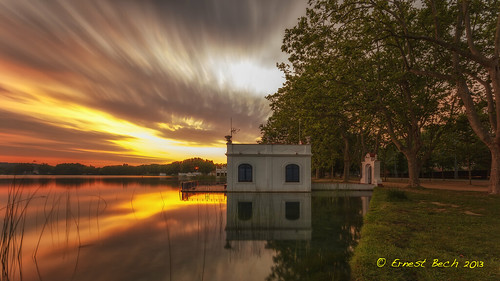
(232, 130)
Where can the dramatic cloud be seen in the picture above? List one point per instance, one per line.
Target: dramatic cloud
(137, 81)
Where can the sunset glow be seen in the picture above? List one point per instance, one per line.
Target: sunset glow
(149, 204)
(137, 82)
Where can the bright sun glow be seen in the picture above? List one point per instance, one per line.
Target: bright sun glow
(138, 141)
(248, 75)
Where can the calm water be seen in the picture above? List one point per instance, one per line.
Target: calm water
(109, 228)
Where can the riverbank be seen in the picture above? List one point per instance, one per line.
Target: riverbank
(458, 229)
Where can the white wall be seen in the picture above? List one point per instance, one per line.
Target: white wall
(374, 178)
(268, 162)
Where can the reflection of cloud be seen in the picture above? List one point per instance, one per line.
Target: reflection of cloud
(131, 233)
(184, 245)
(144, 62)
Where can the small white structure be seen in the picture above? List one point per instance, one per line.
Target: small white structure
(190, 174)
(370, 170)
(268, 168)
(221, 172)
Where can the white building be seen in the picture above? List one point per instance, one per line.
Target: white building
(221, 172)
(268, 167)
(370, 173)
(189, 174)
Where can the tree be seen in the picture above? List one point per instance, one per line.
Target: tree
(197, 165)
(462, 147)
(463, 37)
(23, 168)
(349, 73)
(73, 169)
(319, 93)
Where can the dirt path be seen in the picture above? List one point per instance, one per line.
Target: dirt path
(448, 184)
(460, 185)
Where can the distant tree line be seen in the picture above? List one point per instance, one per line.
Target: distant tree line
(419, 80)
(189, 165)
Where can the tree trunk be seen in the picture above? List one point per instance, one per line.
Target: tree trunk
(396, 167)
(346, 160)
(383, 168)
(455, 167)
(494, 187)
(495, 171)
(470, 172)
(413, 170)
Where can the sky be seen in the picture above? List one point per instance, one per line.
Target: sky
(136, 82)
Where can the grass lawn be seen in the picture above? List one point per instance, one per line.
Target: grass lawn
(459, 229)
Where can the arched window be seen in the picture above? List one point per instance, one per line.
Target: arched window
(245, 173)
(292, 210)
(292, 173)
(244, 210)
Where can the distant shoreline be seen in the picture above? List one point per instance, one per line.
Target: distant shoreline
(79, 176)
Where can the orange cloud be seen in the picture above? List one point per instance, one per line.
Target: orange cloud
(135, 82)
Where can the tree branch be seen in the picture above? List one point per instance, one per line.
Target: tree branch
(497, 37)
(494, 120)
(434, 74)
(392, 134)
(463, 89)
(453, 48)
(471, 112)
(468, 31)
(436, 22)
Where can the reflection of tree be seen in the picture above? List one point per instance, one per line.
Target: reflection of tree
(336, 225)
(142, 181)
(74, 182)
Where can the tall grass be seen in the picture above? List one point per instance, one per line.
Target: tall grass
(11, 243)
(13, 228)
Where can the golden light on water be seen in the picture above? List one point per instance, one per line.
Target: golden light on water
(143, 206)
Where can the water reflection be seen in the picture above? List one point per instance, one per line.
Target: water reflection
(135, 229)
(268, 216)
(312, 235)
(88, 181)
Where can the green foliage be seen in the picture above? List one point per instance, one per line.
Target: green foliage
(349, 74)
(74, 169)
(459, 143)
(45, 169)
(120, 170)
(188, 165)
(23, 168)
(197, 165)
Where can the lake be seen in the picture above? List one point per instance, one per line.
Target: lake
(144, 228)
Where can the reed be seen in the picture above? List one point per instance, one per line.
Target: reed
(13, 226)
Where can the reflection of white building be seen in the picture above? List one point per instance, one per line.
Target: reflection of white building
(268, 216)
(268, 168)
